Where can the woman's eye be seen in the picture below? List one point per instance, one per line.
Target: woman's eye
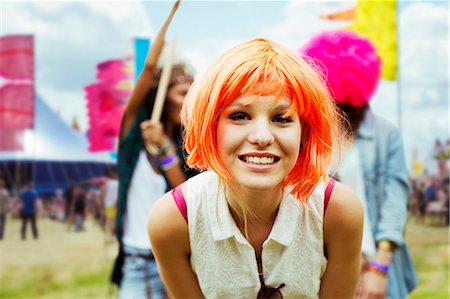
(281, 119)
(239, 116)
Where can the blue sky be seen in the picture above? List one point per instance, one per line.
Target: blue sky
(72, 37)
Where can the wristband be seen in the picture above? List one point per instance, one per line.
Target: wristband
(386, 245)
(169, 161)
(379, 266)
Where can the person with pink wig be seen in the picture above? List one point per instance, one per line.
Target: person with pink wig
(263, 220)
(374, 165)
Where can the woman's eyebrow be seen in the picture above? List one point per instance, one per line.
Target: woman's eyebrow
(237, 105)
(283, 107)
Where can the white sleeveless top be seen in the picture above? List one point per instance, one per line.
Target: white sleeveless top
(351, 174)
(145, 188)
(225, 262)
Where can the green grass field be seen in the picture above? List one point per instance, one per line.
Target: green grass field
(61, 264)
(429, 246)
(69, 265)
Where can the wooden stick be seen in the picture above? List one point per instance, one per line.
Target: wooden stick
(163, 85)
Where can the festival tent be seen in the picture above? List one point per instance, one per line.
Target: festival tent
(53, 155)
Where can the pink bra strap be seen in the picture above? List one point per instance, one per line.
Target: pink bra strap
(328, 192)
(180, 201)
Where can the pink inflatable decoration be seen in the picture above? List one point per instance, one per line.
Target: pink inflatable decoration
(349, 63)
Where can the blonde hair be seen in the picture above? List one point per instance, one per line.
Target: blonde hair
(247, 68)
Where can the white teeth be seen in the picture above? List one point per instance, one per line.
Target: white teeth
(259, 160)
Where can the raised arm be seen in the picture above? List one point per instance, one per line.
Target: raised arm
(169, 237)
(145, 79)
(343, 224)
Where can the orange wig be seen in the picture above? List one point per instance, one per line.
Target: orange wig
(263, 67)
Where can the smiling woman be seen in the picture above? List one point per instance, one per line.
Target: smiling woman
(263, 123)
(257, 142)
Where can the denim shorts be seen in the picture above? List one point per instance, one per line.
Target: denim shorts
(140, 276)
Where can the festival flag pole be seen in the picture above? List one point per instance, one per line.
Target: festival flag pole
(163, 85)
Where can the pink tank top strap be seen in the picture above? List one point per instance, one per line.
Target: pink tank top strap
(180, 201)
(328, 192)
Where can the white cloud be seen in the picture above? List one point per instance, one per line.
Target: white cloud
(301, 20)
(202, 54)
(424, 77)
(424, 45)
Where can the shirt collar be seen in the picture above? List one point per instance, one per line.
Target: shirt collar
(224, 227)
(285, 224)
(222, 223)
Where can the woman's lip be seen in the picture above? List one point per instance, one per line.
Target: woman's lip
(258, 167)
(257, 154)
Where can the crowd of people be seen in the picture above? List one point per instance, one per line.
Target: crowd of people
(269, 176)
(429, 200)
(71, 206)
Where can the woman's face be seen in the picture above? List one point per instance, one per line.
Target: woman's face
(175, 96)
(258, 145)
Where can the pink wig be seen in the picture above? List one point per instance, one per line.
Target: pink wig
(350, 64)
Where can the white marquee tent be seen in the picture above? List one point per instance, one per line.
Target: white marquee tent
(54, 152)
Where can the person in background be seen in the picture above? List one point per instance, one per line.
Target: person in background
(79, 207)
(260, 222)
(108, 194)
(149, 162)
(374, 164)
(28, 212)
(421, 202)
(4, 206)
(69, 194)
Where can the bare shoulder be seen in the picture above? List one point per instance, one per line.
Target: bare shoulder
(166, 226)
(344, 213)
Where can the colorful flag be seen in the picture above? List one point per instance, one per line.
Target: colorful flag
(106, 103)
(16, 89)
(377, 20)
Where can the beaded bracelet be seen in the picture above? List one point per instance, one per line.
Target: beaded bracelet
(379, 267)
(169, 161)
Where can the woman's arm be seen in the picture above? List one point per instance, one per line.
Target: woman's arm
(343, 223)
(153, 133)
(392, 215)
(393, 201)
(145, 79)
(169, 237)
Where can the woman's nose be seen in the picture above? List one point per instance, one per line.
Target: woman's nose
(261, 133)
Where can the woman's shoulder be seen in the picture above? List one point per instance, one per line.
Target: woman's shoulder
(166, 224)
(344, 213)
(166, 206)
